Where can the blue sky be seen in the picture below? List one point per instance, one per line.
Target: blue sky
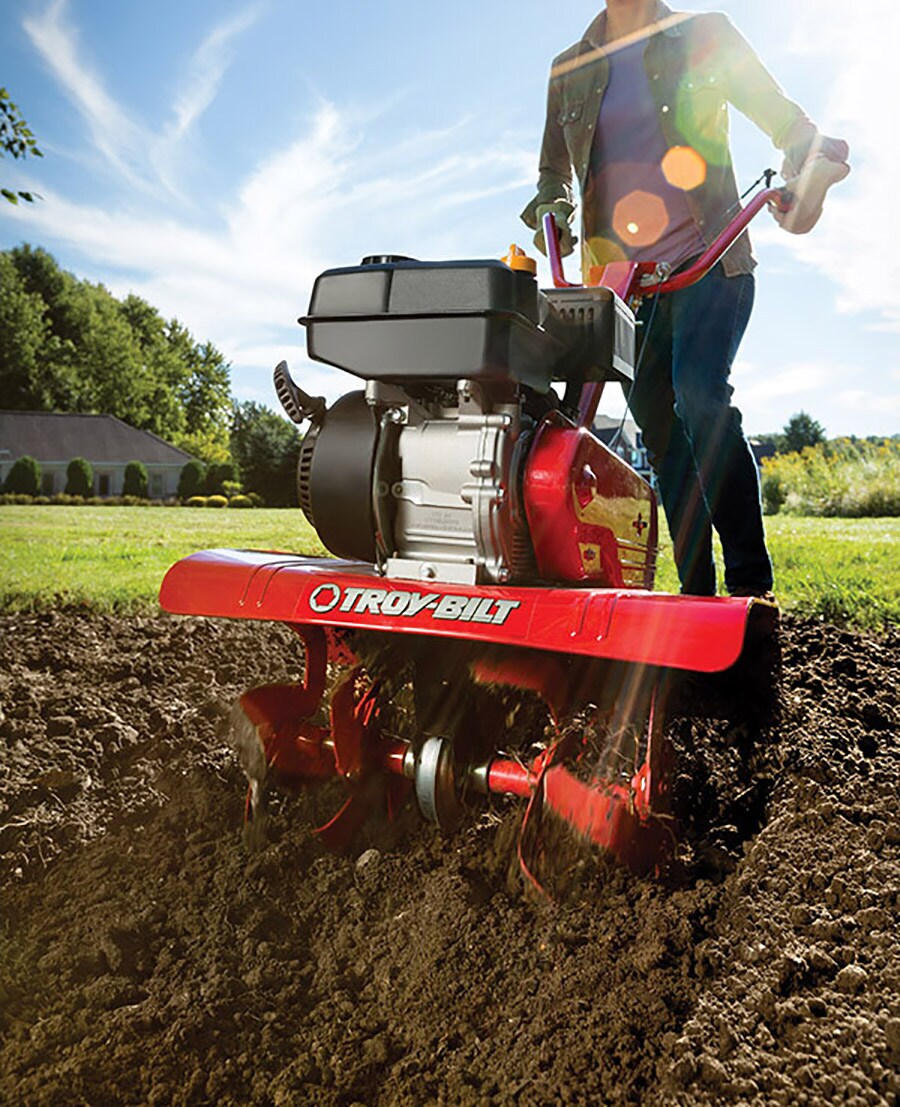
(215, 155)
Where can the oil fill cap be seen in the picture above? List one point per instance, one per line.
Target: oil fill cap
(519, 261)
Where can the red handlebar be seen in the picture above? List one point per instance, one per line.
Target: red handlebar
(630, 279)
(638, 275)
(722, 243)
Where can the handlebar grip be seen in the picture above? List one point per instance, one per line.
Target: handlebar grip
(783, 200)
(551, 241)
(807, 193)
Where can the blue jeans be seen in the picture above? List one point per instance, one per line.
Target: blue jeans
(705, 470)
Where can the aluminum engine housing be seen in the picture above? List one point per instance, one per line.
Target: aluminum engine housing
(426, 485)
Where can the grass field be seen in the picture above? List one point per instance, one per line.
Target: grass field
(116, 557)
(844, 571)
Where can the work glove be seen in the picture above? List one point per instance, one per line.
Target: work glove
(810, 169)
(812, 145)
(562, 212)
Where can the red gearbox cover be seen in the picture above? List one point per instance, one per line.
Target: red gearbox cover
(591, 517)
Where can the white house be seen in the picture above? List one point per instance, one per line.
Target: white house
(54, 439)
(624, 438)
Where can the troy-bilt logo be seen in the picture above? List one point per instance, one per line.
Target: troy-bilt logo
(407, 605)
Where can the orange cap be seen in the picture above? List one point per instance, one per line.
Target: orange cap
(519, 260)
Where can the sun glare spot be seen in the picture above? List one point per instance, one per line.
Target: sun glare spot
(640, 218)
(600, 251)
(684, 168)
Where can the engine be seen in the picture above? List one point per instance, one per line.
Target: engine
(456, 460)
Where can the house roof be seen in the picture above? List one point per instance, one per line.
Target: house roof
(762, 449)
(608, 429)
(99, 439)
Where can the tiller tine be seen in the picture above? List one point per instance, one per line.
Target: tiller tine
(352, 759)
(289, 745)
(631, 820)
(607, 815)
(274, 736)
(349, 723)
(271, 732)
(264, 713)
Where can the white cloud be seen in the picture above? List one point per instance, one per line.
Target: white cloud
(207, 69)
(114, 134)
(857, 402)
(857, 241)
(205, 72)
(240, 274)
(144, 159)
(827, 389)
(806, 378)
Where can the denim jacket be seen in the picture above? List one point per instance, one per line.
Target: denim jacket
(696, 65)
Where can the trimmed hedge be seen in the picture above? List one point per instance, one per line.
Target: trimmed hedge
(62, 499)
(136, 482)
(79, 477)
(24, 478)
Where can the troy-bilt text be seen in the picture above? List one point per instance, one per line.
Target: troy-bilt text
(379, 601)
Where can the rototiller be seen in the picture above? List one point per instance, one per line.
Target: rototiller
(493, 557)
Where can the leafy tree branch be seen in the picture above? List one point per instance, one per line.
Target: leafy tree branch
(17, 141)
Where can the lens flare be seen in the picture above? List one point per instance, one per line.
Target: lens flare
(600, 251)
(684, 168)
(701, 115)
(640, 218)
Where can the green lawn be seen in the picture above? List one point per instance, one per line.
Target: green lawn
(844, 571)
(840, 570)
(116, 557)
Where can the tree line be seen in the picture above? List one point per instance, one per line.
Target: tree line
(68, 345)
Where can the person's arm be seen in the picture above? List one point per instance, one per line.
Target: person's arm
(755, 93)
(555, 168)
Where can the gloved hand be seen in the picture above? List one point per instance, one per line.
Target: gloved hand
(812, 145)
(562, 211)
(810, 169)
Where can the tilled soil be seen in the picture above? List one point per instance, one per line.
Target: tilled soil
(147, 957)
